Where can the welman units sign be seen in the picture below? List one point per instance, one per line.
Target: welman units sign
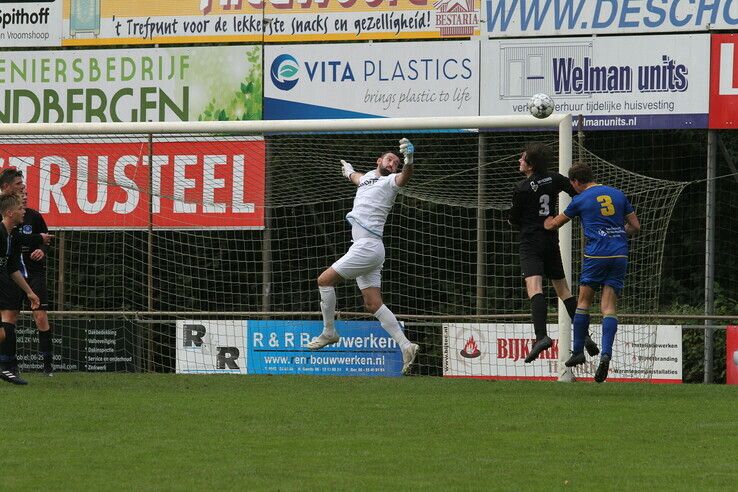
(619, 82)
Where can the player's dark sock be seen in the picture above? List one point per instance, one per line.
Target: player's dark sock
(609, 329)
(581, 328)
(44, 342)
(7, 348)
(44, 348)
(571, 306)
(539, 311)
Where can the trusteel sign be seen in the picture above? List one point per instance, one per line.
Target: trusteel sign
(93, 185)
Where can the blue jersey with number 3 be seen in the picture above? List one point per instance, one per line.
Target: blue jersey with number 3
(602, 210)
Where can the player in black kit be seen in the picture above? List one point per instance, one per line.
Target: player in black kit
(34, 239)
(11, 209)
(534, 199)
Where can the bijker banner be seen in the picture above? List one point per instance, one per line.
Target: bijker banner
(430, 78)
(30, 24)
(617, 82)
(201, 184)
(94, 22)
(724, 81)
(148, 84)
(498, 351)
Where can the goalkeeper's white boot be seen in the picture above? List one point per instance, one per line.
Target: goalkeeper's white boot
(321, 341)
(408, 356)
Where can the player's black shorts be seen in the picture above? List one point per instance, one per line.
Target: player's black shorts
(540, 255)
(37, 281)
(11, 296)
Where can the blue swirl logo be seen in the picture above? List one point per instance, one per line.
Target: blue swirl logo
(284, 72)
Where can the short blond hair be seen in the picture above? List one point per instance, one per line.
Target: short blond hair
(9, 201)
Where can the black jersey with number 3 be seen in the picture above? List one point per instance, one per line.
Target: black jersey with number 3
(535, 198)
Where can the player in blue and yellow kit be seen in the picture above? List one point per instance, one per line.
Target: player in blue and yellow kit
(608, 219)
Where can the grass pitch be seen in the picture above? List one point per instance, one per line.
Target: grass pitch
(178, 432)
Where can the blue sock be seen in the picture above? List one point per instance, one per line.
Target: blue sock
(581, 328)
(609, 328)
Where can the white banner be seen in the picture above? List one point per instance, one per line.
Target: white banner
(519, 18)
(371, 80)
(205, 347)
(624, 82)
(498, 351)
(30, 23)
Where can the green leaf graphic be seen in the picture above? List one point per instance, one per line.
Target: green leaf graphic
(288, 71)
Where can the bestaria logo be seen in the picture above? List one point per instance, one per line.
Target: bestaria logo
(284, 72)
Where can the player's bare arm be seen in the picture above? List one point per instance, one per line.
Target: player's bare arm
(632, 224)
(348, 172)
(553, 223)
(407, 149)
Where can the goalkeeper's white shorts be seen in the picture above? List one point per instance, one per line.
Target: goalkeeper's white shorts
(363, 262)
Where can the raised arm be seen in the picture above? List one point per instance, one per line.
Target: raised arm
(407, 149)
(348, 172)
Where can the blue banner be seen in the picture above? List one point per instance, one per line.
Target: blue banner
(365, 349)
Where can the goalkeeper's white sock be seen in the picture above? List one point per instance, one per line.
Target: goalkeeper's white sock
(328, 308)
(392, 326)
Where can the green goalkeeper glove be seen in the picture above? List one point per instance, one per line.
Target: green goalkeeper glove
(407, 149)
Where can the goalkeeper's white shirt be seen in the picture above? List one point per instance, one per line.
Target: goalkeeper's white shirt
(374, 199)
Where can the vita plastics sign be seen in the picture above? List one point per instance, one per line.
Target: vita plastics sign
(164, 84)
(625, 82)
(30, 23)
(519, 18)
(371, 80)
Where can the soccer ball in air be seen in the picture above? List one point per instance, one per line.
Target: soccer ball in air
(541, 105)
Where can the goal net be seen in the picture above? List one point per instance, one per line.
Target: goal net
(196, 247)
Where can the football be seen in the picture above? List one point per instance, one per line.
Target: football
(540, 105)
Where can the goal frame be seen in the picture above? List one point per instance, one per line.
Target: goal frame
(562, 122)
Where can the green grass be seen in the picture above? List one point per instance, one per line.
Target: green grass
(169, 432)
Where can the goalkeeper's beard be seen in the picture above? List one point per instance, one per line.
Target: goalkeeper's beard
(384, 171)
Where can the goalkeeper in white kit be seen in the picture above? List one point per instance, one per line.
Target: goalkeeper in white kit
(375, 196)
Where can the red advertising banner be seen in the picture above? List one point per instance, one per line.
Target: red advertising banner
(724, 81)
(196, 184)
(731, 355)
